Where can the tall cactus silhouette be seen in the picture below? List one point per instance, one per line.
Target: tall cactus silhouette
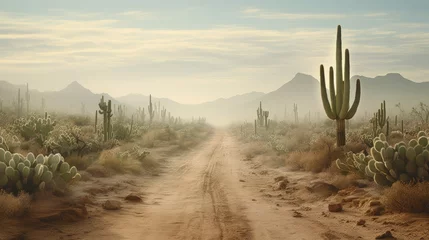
(27, 100)
(338, 109)
(151, 110)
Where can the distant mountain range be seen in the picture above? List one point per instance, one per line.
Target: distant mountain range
(304, 90)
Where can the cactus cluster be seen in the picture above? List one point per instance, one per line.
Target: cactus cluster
(63, 141)
(387, 164)
(38, 128)
(30, 173)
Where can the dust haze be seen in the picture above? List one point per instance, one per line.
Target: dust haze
(241, 120)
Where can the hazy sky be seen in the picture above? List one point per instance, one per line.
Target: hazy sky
(194, 51)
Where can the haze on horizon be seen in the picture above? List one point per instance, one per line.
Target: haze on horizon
(198, 51)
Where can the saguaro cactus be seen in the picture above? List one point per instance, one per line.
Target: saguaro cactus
(150, 110)
(106, 111)
(266, 115)
(260, 115)
(96, 120)
(339, 108)
(295, 111)
(19, 105)
(27, 100)
(381, 115)
(163, 114)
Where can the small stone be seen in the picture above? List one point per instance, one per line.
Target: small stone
(375, 203)
(297, 214)
(112, 205)
(281, 185)
(375, 211)
(241, 180)
(335, 207)
(279, 178)
(386, 235)
(132, 197)
(254, 200)
(361, 222)
(323, 189)
(350, 199)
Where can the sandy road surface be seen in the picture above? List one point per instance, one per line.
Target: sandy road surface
(202, 196)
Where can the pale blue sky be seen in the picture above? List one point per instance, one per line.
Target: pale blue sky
(194, 51)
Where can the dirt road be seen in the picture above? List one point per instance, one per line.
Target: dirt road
(203, 195)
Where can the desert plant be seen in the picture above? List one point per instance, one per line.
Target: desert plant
(339, 108)
(106, 111)
(30, 173)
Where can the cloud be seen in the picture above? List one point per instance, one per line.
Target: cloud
(137, 14)
(263, 14)
(48, 48)
(272, 15)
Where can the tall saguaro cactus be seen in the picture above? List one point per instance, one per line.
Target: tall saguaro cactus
(151, 110)
(381, 115)
(106, 111)
(27, 100)
(260, 114)
(295, 111)
(266, 115)
(339, 108)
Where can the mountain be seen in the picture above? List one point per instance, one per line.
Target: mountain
(303, 89)
(393, 88)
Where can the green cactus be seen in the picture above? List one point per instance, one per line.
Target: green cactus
(260, 114)
(106, 111)
(381, 115)
(150, 110)
(339, 108)
(295, 111)
(27, 100)
(32, 174)
(266, 115)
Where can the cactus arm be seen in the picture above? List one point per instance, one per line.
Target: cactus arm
(332, 91)
(339, 73)
(346, 90)
(355, 105)
(325, 100)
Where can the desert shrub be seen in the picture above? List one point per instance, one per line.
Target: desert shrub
(253, 149)
(79, 120)
(14, 206)
(413, 198)
(129, 161)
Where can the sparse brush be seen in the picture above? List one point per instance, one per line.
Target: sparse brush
(14, 206)
(412, 198)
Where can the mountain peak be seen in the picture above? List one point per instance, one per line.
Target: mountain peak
(395, 75)
(75, 87)
(301, 78)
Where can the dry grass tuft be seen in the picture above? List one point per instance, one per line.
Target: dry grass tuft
(11, 206)
(318, 159)
(254, 149)
(110, 160)
(412, 198)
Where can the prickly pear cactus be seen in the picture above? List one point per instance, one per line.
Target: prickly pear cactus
(403, 162)
(353, 163)
(30, 173)
(35, 128)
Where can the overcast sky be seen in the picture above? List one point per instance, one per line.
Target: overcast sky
(195, 51)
